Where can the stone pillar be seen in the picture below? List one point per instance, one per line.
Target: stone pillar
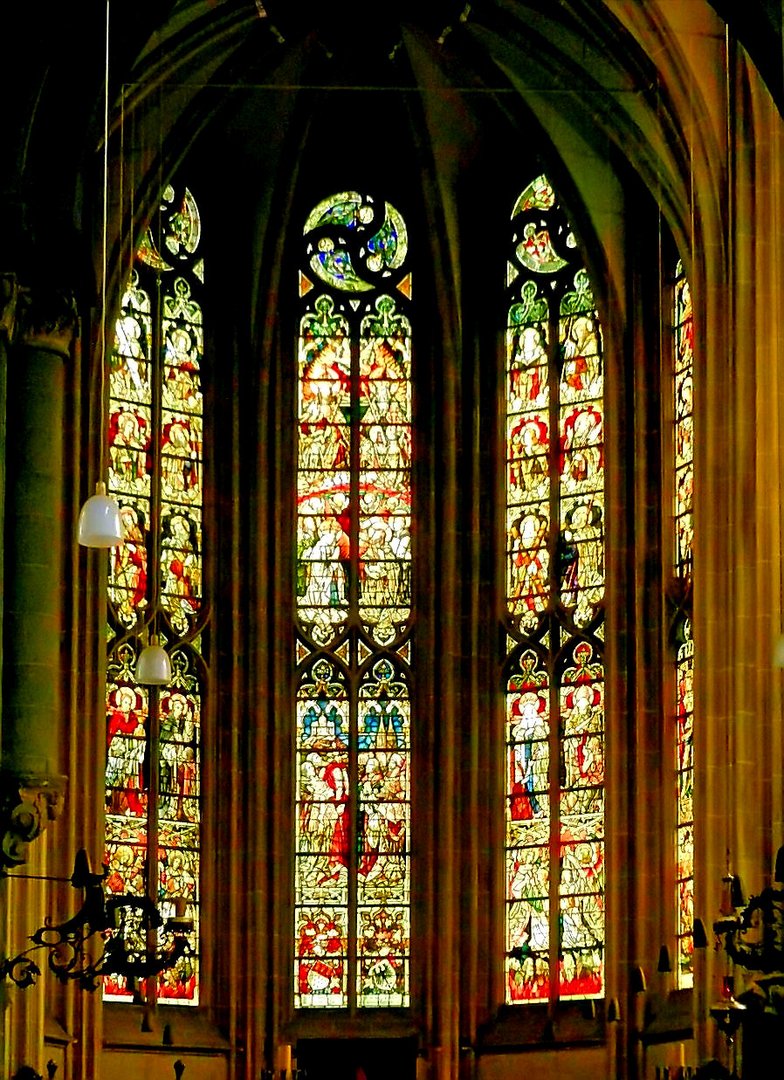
(9, 293)
(38, 332)
(30, 782)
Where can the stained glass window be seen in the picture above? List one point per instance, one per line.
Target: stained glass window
(153, 742)
(353, 608)
(554, 675)
(683, 381)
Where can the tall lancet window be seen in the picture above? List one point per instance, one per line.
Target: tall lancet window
(683, 382)
(554, 676)
(353, 608)
(155, 472)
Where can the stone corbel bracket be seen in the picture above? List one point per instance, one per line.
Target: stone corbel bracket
(47, 319)
(27, 805)
(9, 297)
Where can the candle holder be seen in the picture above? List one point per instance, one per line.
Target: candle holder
(119, 925)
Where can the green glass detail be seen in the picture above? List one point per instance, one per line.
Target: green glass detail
(537, 196)
(581, 300)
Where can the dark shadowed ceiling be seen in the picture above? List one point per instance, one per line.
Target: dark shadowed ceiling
(244, 72)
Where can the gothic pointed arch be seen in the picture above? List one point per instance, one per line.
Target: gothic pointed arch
(353, 607)
(555, 627)
(155, 591)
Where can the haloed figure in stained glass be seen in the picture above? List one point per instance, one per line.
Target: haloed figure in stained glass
(681, 590)
(155, 453)
(529, 561)
(126, 744)
(352, 587)
(529, 755)
(554, 618)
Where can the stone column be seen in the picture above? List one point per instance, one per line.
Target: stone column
(9, 292)
(30, 782)
(38, 331)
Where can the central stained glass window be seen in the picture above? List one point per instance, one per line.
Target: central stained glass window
(554, 675)
(353, 608)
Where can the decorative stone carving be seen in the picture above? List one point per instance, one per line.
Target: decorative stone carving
(48, 319)
(27, 805)
(9, 297)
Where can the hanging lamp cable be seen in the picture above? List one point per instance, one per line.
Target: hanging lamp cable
(100, 525)
(104, 239)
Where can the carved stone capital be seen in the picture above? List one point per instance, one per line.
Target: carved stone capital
(9, 298)
(27, 805)
(49, 319)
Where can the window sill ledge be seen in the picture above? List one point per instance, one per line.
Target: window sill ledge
(527, 1027)
(182, 1028)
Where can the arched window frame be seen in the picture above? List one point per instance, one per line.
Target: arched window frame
(353, 609)
(154, 745)
(555, 613)
(681, 384)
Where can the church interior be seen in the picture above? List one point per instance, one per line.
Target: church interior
(391, 560)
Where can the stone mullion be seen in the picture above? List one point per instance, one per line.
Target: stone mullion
(154, 591)
(555, 667)
(352, 805)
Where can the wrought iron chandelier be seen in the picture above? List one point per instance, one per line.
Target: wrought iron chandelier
(114, 934)
(752, 936)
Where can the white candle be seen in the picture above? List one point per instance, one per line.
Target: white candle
(283, 1063)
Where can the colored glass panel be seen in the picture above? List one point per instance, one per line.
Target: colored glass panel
(155, 433)
(323, 477)
(353, 599)
(383, 251)
(181, 457)
(539, 195)
(384, 470)
(684, 425)
(528, 830)
(181, 233)
(684, 719)
(179, 817)
(555, 611)
(127, 789)
(683, 483)
(130, 435)
(383, 878)
(582, 826)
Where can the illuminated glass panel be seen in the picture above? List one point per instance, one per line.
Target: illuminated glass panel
(130, 448)
(683, 380)
(181, 456)
(555, 612)
(528, 829)
(353, 608)
(581, 820)
(155, 427)
(684, 425)
(384, 798)
(684, 718)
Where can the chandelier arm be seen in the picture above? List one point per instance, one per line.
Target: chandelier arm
(106, 922)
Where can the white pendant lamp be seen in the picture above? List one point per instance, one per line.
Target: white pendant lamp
(153, 668)
(99, 520)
